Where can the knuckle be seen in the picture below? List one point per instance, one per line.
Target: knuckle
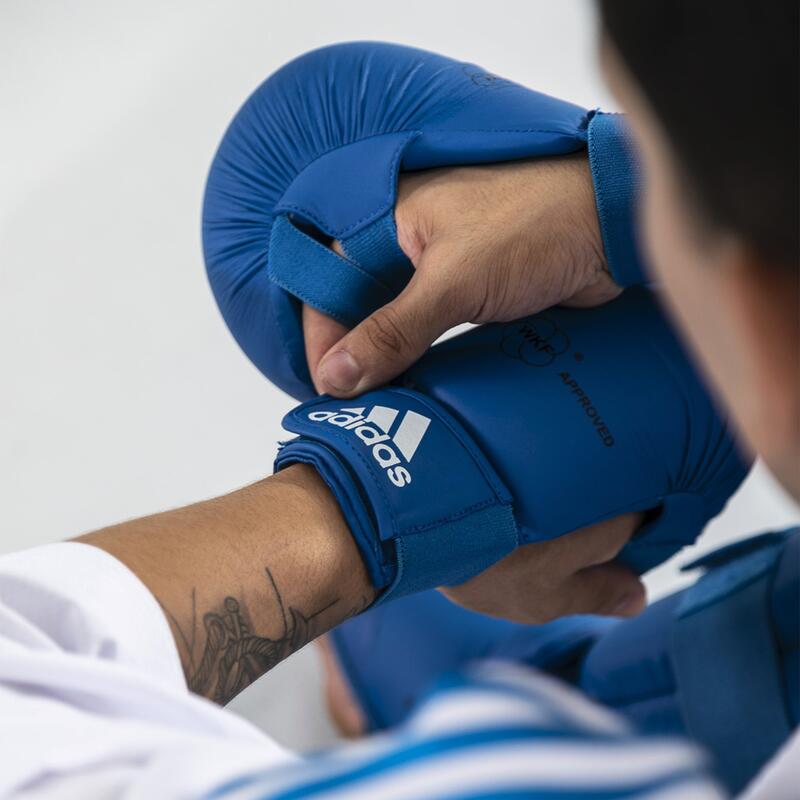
(386, 333)
(410, 234)
(452, 299)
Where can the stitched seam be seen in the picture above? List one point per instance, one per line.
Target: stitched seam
(499, 130)
(598, 190)
(390, 191)
(378, 211)
(347, 144)
(328, 253)
(400, 575)
(306, 299)
(380, 208)
(397, 533)
(615, 255)
(419, 132)
(454, 517)
(276, 279)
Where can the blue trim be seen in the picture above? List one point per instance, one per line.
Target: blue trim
(376, 250)
(425, 560)
(423, 751)
(428, 750)
(319, 277)
(616, 183)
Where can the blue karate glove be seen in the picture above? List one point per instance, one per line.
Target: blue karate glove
(518, 433)
(314, 155)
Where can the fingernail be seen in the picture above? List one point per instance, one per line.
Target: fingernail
(340, 371)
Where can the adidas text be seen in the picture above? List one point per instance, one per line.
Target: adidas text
(373, 430)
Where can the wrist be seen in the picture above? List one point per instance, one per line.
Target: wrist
(332, 556)
(246, 579)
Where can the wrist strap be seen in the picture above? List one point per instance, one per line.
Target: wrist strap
(424, 505)
(615, 175)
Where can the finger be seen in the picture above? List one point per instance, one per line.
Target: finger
(595, 544)
(391, 339)
(320, 333)
(609, 589)
(344, 710)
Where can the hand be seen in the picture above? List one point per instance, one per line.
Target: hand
(488, 243)
(344, 710)
(573, 574)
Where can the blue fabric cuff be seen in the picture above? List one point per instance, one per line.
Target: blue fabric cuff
(423, 504)
(616, 184)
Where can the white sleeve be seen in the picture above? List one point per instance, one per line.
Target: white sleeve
(74, 598)
(93, 700)
(501, 731)
(93, 705)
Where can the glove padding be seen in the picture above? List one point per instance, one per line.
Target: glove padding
(521, 432)
(314, 155)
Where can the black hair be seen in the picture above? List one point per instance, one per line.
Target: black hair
(721, 77)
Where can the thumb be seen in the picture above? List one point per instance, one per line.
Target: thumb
(390, 340)
(320, 334)
(610, 589)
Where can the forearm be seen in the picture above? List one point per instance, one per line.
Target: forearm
(248, 578)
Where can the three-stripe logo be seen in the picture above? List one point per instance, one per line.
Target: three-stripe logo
(374, 431)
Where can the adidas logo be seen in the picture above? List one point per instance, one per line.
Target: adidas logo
(373, 430)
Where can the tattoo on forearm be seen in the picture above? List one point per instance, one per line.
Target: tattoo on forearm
(234, 655)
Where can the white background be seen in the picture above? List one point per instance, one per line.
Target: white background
(122, 392)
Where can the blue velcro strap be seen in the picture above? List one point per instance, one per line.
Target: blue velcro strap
(375, 249)
(453, 551)
(727, 668)
(616, 183)
(424, 505)
(319, 277)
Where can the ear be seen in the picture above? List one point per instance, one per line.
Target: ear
(765, 302)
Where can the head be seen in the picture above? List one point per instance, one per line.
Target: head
(711, 90)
